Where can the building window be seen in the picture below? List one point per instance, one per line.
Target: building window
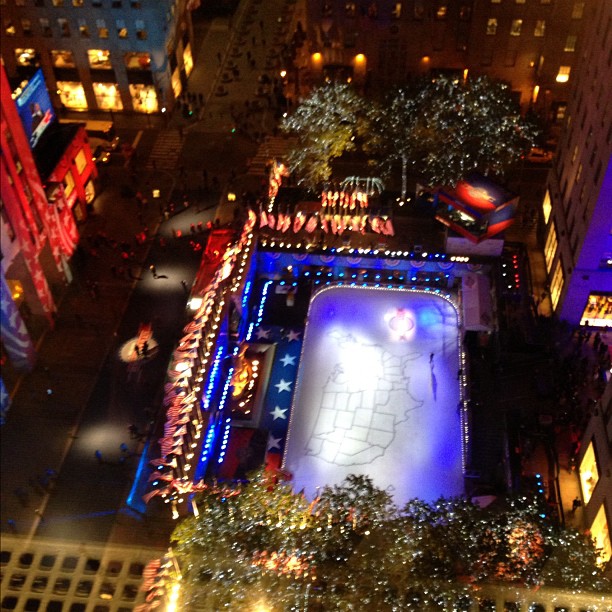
(578, 10)
(64, 27)
(545, 1)
(442, 10)
(515, 28)
(550, 248)
(579, 173)
(396, 11)
(121, 29)
(575, 154)
(519, 1)
(77, 2)
(510, 59)
(25, 57)
(72, 94)
(99, 59)
(102, 29)
(107, 96)
(116, 4)
(136, 4)
(9, 28)
(465, 12)
(563, 74)
(39, 2)
(144, 98)
(96, 3)
(487, 57)
(540, 27)
(350, 9)
(570, 43)
(589, 472)
(546, 207)
(495, 1)
(45, 27)
(141, 33)
(57, 2)
(556, 284)
(26, 27)
(491, 26)
(62, 59)
(419, 9)
(83, 29)
(137, 60)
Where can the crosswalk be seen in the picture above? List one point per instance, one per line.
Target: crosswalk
(166, 151)
(273, 147)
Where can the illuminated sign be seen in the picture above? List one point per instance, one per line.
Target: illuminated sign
(34, 107)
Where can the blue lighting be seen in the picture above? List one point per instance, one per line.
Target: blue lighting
(247, 292)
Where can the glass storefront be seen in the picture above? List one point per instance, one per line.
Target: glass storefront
(589, 474)
(144, 98)
(72, 94)
(598, 311)
(177, 87)
(25, 57)
(137, 60)
(188, 60)
(107, 96)
(600, 531)
(90, 192)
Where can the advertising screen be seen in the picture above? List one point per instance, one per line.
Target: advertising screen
(34, 108)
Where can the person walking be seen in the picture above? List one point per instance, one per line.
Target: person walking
(98, 456)
(153, 270)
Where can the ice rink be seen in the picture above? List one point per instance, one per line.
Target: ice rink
(377, 394)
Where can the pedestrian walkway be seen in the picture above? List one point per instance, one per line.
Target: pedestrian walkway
(166, 150)
(273, 147)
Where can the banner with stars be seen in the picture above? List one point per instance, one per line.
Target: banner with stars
(277, 402)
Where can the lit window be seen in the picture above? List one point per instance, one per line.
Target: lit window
(495, 1)
(137, 60)
(570, 43)
(396, 11)
(121, 29)
(579, 173)
(540, 27)
(491, 26)
(465, 12)
(102, 29)
(45, 27)
(575, 154)
(99, 59)
(588, 472)
(550, 247)
(62, 59)
(441, 11)
(26, 27)
(515, 28)
(563, 74)
(136, 4)
(578, 10)
(64, 27)
(546, 206)
(83, 29)
(25, 57)
(77, 2)
(519, 1)
(9, 28)
(349, 9)
(57, 2)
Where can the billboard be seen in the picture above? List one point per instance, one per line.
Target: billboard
(34, 107)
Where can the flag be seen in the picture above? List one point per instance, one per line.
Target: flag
(271, 221)
(311, 224)
(147, 497)
(280, 219)
(298, 222)
(286, 223)
(390, 231)
(324, 226)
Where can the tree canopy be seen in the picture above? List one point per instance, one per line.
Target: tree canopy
(260, 544)
(440, 129)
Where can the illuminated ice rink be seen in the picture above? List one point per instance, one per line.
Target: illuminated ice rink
(378, 394)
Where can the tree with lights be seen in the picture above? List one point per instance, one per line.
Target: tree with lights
(443, 128)
(327, 124)
(260, 544)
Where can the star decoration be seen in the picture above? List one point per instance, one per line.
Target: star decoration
(288, 360)
(278, 413)
(283, 385)
(293, 335)
(273, 443)
(263, 333)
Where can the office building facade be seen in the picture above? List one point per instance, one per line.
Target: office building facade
(577, 208)
(107, 55)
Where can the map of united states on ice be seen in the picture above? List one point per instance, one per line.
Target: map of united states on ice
(364, 399)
